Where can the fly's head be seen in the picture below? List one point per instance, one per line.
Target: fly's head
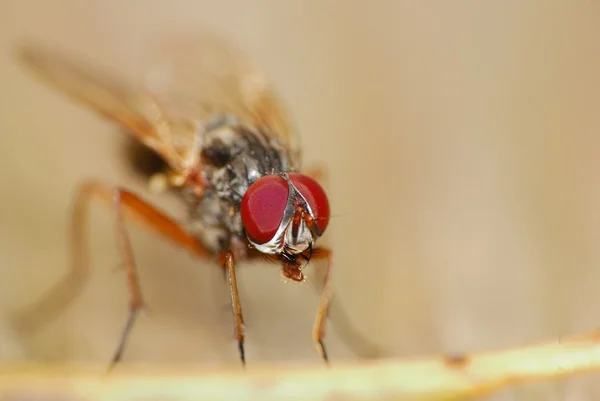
(284, 215)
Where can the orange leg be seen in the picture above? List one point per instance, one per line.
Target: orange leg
(125, 201)
(124, 204)
(227, 261)
(328, 308)
(361, 345)
(324, 303)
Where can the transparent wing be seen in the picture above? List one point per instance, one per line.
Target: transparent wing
(189, 84)
(214, 78)
(131, 105)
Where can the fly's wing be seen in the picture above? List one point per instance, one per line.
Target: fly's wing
(211, 75)
(131, 105)
(189, 83)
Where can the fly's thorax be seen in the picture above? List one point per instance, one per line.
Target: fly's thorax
(233, 156)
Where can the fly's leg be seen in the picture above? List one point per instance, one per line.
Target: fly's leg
(361, 345)
(126, 206)
(227, 261)
(123, 202)
(324, 303)
(319, 173)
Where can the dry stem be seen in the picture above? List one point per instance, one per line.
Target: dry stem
(422, 379)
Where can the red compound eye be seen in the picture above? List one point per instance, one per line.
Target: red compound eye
(263, 206)
(315, 197)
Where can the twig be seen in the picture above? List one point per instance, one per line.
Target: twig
(435, 378)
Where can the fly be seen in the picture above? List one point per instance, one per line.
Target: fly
(231, 153)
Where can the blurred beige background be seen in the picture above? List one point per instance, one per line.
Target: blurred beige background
(461, 140)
